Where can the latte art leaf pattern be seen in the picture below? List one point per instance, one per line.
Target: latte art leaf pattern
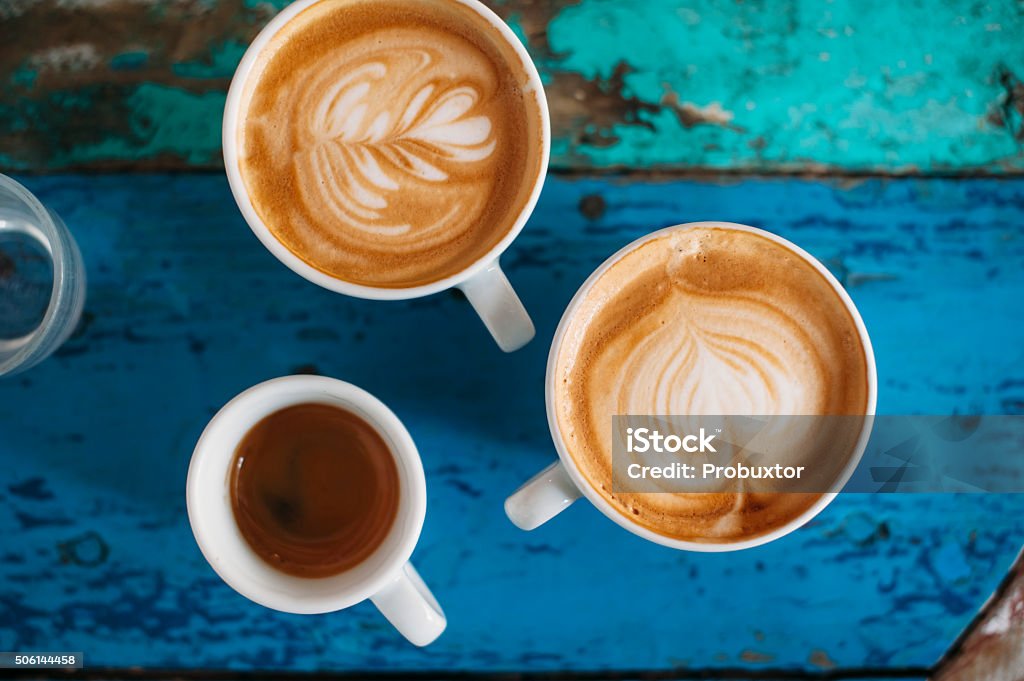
(381, 122)
(391, 144)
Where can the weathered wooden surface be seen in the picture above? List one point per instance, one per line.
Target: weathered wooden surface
(793, 85)
(993, 648)
(186, 309)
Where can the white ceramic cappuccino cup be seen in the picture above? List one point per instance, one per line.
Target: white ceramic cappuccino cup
(556, 487)
(483, 282)
(386, 577)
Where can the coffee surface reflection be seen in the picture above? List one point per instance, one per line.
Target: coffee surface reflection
(314, 489)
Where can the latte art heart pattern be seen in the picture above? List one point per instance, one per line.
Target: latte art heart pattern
(700, 357)
(390, 144)
(715, 322)
(379, 123)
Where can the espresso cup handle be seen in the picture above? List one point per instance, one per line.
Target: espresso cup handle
(541, 498)
(494, 299)
(407, 603)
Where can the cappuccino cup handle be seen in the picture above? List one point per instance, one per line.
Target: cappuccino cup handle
(407, 603)
(494, 299)
(541, 498)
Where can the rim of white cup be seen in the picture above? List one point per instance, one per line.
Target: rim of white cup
(604, 506)
(229, 144)
(316, 595)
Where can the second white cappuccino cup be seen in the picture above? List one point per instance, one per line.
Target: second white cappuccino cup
(483, 282)
(559, 485)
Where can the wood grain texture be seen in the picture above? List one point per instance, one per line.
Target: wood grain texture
(993, 648)
(795, 85)
(186, 309)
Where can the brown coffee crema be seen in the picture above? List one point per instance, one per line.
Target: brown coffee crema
(314, 489)
(705, 321)
(389, 144)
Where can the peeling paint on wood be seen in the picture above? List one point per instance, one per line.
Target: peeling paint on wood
(186, 309)
(793, 85)
(993, 648)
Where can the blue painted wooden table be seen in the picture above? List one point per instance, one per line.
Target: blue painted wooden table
(186, 309)
(929, 86)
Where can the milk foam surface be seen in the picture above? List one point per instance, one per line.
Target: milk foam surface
(705, 321)
(389, 144)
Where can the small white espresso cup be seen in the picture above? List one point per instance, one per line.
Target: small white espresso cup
(556, 487)
(483, 282)
(386, 577)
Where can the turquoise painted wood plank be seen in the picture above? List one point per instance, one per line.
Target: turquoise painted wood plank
(186, 309)
(795, 85)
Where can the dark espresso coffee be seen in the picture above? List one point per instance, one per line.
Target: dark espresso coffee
(314, 489)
